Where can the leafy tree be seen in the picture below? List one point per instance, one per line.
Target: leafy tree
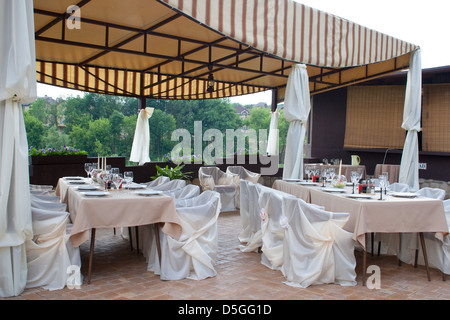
(35, 129)
(55, 139)
(161, 127)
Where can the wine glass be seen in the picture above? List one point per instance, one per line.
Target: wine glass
(308, 171)
(128, 176)
(354, 177)
(382, 179)
(117, 180)
(92, 170)
(87, 168)
(315, 171)
(323, 174)
(332, 173)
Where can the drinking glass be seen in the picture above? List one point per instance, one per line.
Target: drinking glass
(383, 181)
(128, 176)
(354, 177)
(117, 180)
(331, 173)
(308, 171)
(87, 168)
(115, 171)
(323, 174)
(93, 169)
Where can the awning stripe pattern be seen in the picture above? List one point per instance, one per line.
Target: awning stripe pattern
(295, 32)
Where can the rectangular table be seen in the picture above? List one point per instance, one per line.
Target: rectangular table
(118, 209)
(391, 215)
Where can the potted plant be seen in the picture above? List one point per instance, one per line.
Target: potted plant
(172, 173)
(64, 155)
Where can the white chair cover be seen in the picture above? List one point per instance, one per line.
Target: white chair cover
(251, 218)
(193, 256)
(171, 185)
(272, 232)
(158, 181)
(316, 248)
(399, 187)
(244, 212)
(50, 252)
(38, 201)
(227, 184)
(434, 193)
(243, 174)
(187, 192)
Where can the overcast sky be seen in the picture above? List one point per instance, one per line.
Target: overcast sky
(415, 21)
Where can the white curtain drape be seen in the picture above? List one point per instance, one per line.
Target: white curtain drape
(17, 86)
(409, 165)
(140, 150)
(297, 106)
(272, 140)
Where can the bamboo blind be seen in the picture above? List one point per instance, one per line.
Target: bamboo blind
(374, 117)
(436, 118)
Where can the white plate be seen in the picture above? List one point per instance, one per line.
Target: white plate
(76, 182)
(148, 192)
(404, 194)
(359, 196)
(334, 189)
(87, 188)
(73, 178)
(308, 183)
(95, 193)
(293, 180)
(135, 186)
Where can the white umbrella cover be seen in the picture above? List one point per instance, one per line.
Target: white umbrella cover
(141, 143)
(17, 86)
(297, 106)
(409, 165)
(272, 140)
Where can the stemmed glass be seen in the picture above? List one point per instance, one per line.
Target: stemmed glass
(323, 174)
(92, 170)
(308, 171)
(315, 171)
(331, 173)
(87, 168)
(385, 174)
(383, 183)
(354, 177)
(128, 176)
(117, 180)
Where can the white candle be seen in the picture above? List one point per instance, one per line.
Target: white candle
(105, 163)
(98, 161)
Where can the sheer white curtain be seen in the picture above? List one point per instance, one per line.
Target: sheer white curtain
(409, 165)
(296, 111)
(17, 86)
(140, 150)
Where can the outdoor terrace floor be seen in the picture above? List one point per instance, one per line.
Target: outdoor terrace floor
(120, 274)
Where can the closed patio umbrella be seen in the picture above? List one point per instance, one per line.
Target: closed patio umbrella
(141, 143)
(17, 86)
(409, 165)
(296, 111)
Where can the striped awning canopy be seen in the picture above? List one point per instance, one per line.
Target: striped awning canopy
(171, 49)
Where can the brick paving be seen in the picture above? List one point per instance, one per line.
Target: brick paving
(120, 274)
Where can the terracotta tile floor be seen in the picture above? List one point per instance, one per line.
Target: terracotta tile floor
(119, 274)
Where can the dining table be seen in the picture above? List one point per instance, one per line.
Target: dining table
(90, 207)
(375, 213)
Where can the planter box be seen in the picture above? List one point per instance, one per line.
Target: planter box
(43, 160)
